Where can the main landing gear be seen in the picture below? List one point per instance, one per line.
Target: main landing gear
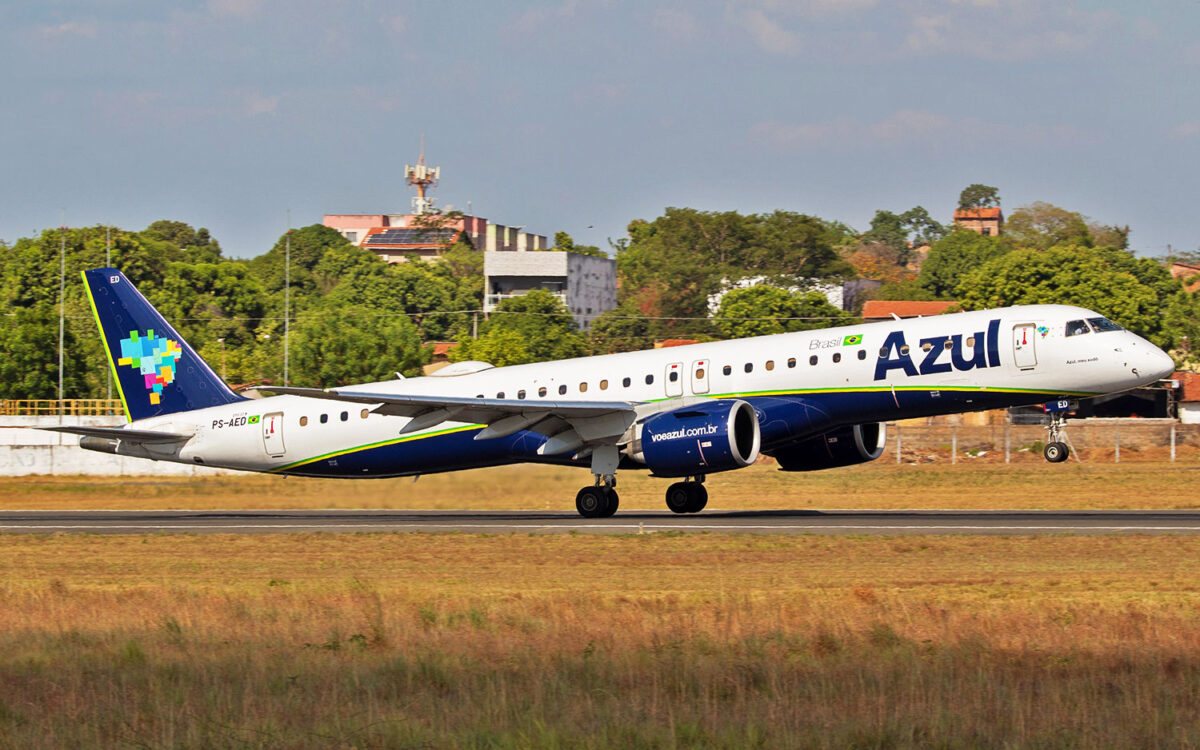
(1056, 450)
(687, 497)
(600, 501)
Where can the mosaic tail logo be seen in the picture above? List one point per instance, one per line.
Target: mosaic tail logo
(155, 357)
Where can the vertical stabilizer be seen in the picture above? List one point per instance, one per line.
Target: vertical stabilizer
(155, 369)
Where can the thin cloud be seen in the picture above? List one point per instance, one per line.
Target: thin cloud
(86, 29)
(769, 35)
(1186, 130)
(676, 23)
(911, 128)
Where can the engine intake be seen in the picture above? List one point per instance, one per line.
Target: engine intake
(844, 446)
(699, 439)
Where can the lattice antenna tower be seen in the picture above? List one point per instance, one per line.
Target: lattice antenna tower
(422, 178)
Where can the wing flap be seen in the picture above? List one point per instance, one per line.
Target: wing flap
(594, 421)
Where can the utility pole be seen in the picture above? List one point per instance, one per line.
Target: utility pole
(62, 289)
(287, 294)
(108, 264)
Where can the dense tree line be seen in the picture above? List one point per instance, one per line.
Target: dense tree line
(687, 273)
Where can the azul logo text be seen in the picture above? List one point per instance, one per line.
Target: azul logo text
(937, 357)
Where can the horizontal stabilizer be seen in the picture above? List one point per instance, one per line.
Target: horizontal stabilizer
(132, 436)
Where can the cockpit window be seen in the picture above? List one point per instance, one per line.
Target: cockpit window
(1077, 327)
(1104, 324)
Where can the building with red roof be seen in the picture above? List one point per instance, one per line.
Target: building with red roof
(986, 221)
(885, 309)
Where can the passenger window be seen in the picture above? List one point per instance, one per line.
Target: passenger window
(365, 412)
(345, 415)
(770, 364)
(583, 387)
(604, 385)
(727, 370)
(749, 367)
(862, 353)
(883, 350)
(926, 346)
(500, 394)
(970, 342)
(625, 382)
(542, 391)
(1077, 327)
(649, 380)
(904, 350)
(812, 360)
(948, 345)
(791, 362)
(699, 373)
(303, 421)
(324, 418)
(520, 394)
(562, 389)
(837, 356)
(674, 376)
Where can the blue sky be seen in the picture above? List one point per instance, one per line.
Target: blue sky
(581, 116)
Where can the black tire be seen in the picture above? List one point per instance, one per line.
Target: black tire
(592, 502)
(679, 497)
(698, 497)
(1056, 452)
(614, 502)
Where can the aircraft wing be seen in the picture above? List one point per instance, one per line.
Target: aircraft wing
(131, 436)
(570, 425)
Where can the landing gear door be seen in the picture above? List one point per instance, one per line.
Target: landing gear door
(674, 375)
(272, 427)
(1024, 346)
(700, 376)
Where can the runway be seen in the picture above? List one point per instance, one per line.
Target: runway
(630, 522)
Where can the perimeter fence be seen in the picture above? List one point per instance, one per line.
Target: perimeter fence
(1109, 440)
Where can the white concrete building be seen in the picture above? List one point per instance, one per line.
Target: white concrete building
(585, 284)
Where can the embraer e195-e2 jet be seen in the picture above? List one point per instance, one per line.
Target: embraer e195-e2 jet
(811, 400)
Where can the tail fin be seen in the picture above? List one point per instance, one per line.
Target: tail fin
(155, 369)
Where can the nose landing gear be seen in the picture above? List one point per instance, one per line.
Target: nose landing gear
(1056, 450)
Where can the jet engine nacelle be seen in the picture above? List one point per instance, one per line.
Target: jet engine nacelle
(844, 446)
(699, 439)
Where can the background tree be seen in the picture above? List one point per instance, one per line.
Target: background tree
(534, 327)
(763, 310)
(952, 257)
(1131, 291)
(979, 196)
(1041, 226)
(563, 242)
(335, 345)
(622, 329)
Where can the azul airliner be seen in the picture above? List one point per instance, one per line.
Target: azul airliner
(811, 400)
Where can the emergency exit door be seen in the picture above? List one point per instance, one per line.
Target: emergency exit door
(272, 428)
(1025, 346)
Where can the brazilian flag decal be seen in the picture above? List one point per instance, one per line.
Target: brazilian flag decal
(852, 340)
(252, 420)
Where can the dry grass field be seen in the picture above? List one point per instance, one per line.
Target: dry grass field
(882, 484)
(656, 641)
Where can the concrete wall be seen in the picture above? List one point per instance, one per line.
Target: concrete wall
(25, 452)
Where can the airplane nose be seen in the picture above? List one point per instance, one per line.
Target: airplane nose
(1160, 364)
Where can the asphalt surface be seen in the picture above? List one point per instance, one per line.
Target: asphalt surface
(628, 522)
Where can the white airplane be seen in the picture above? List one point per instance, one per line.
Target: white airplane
(812, 400)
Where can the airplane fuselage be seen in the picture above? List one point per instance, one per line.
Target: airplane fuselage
(800, 384)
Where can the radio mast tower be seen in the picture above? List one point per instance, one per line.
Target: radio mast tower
(422, 177)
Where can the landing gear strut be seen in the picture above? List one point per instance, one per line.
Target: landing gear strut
(687, 497)
(1056, 450)
(601, 500)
